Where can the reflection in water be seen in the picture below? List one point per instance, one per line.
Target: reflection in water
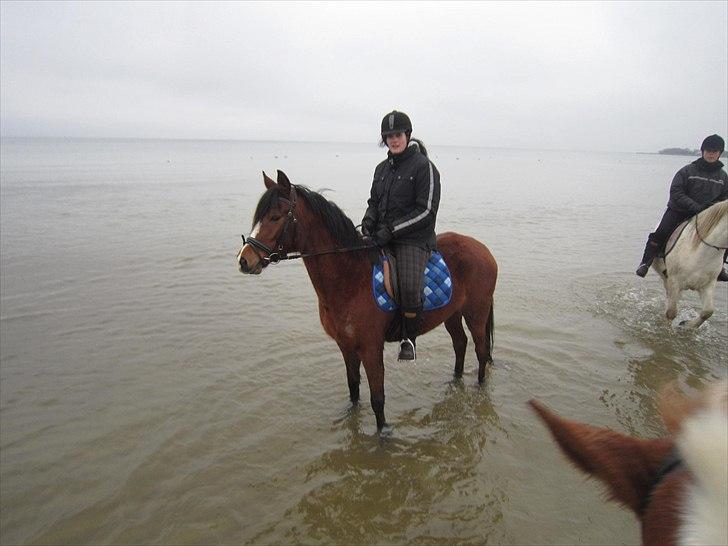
(661, 353)
(417, 484)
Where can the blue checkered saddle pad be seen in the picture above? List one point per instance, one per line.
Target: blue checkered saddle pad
(437, 291)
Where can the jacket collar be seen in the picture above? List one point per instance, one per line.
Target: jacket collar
(411, 149)
(703, 165)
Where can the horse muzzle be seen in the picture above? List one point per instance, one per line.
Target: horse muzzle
(254, 267)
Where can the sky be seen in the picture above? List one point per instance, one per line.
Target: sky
(611, 76)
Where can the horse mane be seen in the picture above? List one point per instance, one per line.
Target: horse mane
(338, 224)
(709, 219)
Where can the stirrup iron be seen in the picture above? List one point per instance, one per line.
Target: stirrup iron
(406, 350)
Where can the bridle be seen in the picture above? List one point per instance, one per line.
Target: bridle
(703, 240)
(273, 256)
(277, 254)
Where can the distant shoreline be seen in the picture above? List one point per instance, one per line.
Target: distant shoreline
(679, 151)
(664, 153)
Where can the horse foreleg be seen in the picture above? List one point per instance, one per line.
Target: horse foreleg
(672, 291)
(455, 328)
(353, 376)
(706, 297)
(373, 360)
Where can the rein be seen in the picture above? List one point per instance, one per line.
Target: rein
(275, 257)
(279, 254)
(703, 240)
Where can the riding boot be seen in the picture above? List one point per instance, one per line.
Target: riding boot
(651, 250)
(410, 329)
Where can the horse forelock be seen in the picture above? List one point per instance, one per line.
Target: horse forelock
(709, 219)
(266, 201)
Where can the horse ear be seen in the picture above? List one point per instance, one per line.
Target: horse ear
(269, 182)
(623, 463)
(283, 180)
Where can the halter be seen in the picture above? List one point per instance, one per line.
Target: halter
(672, 462)
(274, 256)
(703, 240)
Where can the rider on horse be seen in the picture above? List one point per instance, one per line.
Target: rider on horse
(401, 214)
(694, 188)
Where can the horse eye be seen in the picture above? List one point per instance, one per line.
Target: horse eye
(275, 218)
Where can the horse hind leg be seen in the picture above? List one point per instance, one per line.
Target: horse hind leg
(454, 326)
(706, 298)
(480, 325)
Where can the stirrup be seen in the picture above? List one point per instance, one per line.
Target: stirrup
(406, 350)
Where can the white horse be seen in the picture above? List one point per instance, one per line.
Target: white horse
(695, 261)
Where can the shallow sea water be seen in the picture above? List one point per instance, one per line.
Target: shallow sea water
(151, 394)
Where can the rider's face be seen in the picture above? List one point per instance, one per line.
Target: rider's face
(396, 142)
(711, 156)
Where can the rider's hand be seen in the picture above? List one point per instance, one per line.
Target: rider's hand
(382, 236)
(367, 226)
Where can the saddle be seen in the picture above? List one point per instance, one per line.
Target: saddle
(672, 239)
(437, 290)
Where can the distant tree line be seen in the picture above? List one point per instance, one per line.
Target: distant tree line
(679, 151)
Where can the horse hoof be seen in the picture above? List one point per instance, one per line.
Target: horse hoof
(385, 431)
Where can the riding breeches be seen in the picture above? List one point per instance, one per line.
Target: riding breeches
(411, 261)
(670, 220)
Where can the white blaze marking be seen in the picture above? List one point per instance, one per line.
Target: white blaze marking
(253, 234)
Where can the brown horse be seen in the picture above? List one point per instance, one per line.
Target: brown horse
(291, 218)
(676, 486)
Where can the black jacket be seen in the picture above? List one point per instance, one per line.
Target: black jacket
(697, 186)
(405, 196)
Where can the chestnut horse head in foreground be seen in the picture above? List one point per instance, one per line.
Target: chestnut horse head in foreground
(677, 486)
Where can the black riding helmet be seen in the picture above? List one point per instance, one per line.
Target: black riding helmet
(396, 122)
(711, 143)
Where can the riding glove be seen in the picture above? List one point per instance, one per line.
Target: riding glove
(367, 225)
(382, 236)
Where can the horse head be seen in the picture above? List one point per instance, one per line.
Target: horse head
(677, 486)
(274, 226)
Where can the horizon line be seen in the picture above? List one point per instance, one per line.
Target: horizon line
(188, 139)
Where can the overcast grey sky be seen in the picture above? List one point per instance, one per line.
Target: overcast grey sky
(575, 75)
